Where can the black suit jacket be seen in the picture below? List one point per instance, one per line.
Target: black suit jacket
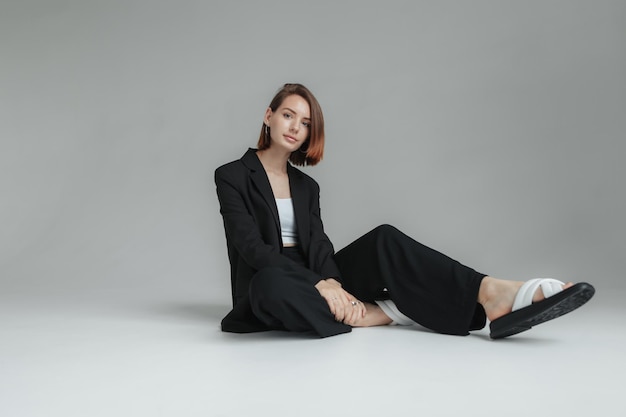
(253, 235)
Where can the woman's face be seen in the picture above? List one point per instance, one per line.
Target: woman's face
(290, 123)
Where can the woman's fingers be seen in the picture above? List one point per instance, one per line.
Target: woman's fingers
(335, 297)
(343, 305)
(340, 310)
(356, 311)
(331, 305)
(351, 308)
(352, 311)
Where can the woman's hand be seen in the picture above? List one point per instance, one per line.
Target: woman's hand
(343, 305)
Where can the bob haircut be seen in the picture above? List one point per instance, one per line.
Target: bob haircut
(312, 150)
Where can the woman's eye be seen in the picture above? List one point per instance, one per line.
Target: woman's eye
(306, 124)
(287, 115)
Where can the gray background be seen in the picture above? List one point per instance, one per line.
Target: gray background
(490, 130)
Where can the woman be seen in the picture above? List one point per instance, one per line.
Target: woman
(285, 274)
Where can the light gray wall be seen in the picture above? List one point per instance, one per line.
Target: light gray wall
(491, 130)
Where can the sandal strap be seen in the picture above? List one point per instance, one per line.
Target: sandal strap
(524, 296)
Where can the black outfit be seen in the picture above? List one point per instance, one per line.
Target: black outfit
(273, 287)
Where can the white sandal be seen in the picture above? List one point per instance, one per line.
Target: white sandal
(526, 314)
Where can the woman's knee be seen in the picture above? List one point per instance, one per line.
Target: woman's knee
(386, 230)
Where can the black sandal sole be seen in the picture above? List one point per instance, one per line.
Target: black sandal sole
(550, 308)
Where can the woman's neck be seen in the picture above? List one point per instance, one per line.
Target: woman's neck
(273, 161)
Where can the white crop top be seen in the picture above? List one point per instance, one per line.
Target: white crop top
(288, 228)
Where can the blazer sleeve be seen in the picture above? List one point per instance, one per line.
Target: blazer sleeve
(241, 228)
(322, 254)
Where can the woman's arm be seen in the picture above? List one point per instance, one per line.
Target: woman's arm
(322, 259)
(341, 303)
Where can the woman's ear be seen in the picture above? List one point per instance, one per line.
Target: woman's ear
(268, 116)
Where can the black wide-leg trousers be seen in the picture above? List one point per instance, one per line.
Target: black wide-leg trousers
(427, 286)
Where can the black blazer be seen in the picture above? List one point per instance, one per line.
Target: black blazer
(253, 235)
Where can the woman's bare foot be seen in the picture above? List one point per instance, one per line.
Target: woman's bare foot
(373, 317)
(497, 296)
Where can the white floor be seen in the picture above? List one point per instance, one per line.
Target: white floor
(128, 354)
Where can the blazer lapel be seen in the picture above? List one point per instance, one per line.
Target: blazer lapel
(261, 182)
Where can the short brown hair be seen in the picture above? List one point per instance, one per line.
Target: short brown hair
(314, 143)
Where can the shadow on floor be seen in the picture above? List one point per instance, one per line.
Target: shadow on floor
(194, 311)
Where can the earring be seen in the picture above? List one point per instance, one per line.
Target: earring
(267, 130)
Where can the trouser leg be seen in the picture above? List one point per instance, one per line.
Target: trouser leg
(283, 298)
(427, 286)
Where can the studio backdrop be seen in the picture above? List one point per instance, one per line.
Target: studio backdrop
(490, 130)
